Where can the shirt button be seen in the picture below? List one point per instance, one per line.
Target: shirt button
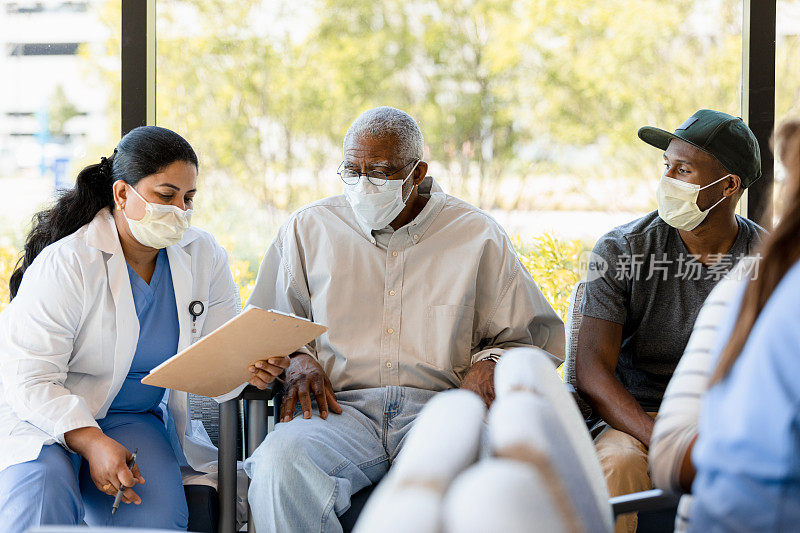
(388, 364)
(416, 237)
(390, 331)
(392, 293)
(394, 254)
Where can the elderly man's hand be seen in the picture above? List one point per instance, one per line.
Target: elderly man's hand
(304, 377)
(480, 380)
(265, 372)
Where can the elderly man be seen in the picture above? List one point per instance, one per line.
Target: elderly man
(421, 292)
(657, 272)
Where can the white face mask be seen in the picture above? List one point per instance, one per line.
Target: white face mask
(677, 203)
(161, 226)
(376, 206)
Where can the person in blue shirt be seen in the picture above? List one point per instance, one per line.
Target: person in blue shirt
(747, 456)
(100, 298)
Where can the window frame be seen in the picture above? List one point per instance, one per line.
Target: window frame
(758, 99)
(138, 64)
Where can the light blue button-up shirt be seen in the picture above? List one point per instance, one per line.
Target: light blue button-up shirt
(748, 452)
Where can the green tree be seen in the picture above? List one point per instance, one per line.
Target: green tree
(504, 90)
(608, 68)
(61, 111)
(472, 53)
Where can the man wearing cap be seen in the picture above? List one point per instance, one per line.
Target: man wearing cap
(649, 280)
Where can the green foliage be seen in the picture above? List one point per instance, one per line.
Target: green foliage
(245, 277)
(608, 68)
(61, 111)
(8, 260)
(554, 264)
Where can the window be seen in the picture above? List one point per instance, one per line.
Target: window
(529, 109)
(59, 105)
(787, 84)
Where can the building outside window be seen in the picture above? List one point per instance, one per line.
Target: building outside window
(59, 104)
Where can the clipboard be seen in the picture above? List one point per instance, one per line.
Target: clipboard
(218, 363)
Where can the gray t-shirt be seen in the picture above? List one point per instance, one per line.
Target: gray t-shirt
(654, 287)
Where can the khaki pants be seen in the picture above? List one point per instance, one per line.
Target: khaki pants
(624, 462)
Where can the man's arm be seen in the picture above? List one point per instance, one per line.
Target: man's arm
(513, 313)
(599, 343)
(518, 315)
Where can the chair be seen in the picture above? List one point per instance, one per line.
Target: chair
(84, 529)
(202, 500)
(225, 425)
(656, 508)
(574, 318)
(243, 423)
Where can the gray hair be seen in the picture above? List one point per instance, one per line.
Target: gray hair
(384, 121)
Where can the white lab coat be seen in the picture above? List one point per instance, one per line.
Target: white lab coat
(68, 338)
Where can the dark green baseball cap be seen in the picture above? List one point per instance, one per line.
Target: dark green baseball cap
(725, 137)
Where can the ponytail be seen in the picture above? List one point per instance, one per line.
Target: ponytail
(142, 152)
(73, 208)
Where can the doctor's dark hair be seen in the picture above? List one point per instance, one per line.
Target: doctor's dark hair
(142, 152)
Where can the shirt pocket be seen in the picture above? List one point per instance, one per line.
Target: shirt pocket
(448, 340)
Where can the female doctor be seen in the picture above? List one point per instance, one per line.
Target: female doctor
(102, 296)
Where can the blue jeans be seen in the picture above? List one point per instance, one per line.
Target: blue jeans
(56, 488)
(305, 471)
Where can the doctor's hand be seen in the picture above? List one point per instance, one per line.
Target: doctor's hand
(107, 460)
(265, 372)
(304, 377)
(480, 380)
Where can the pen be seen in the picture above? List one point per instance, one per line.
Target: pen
(118, 498)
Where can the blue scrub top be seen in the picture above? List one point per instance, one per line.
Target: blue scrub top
(747, 454)
(158, 337)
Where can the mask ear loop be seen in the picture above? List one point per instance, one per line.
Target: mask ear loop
(715, 205)
(140, 196)
(721, 199)
(146, 203)
(409, 175)
(714, 182)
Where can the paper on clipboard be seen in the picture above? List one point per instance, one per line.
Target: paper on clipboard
(218, 363)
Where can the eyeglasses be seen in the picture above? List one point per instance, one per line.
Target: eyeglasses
(375, 177)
